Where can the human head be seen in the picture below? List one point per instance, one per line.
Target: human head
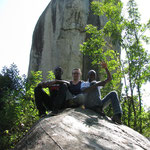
(91, 75)
(76, 73)
(58, 71)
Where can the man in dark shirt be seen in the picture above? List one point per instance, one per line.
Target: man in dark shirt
(57, 97)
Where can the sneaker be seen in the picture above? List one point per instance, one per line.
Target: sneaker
(71, 103)
(55, 111)
(100, 111)
(42, 115)
(117, 118)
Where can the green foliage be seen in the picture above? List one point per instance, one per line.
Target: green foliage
(112, 10)
(136, 63)
(51, 75)
(144, 115)
(17, 112)
(35, 78)
(17, 108)
(100, 45)
(134, 70)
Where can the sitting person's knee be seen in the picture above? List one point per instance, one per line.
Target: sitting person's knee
(114, 93)
(37, 89)
(63, 85)
(81, 99)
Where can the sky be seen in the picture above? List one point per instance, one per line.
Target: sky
(17, 21)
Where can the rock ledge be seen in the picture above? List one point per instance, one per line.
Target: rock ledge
(78, 129)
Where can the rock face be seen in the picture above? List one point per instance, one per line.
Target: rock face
(57, 36)
(78, 129)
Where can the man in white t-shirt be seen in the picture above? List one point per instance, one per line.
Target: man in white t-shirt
(93, 96)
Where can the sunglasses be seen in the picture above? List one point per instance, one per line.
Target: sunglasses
(75, 73)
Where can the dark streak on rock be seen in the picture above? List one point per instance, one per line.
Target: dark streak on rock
(37, 40)
(94, 20)
(54, 15)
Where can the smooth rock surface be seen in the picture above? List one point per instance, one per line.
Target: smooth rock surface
(57, 36)
(79, 129)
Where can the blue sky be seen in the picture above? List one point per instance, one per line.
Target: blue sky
(17, 22)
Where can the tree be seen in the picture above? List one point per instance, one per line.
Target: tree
(17, 112)
(100, 45)
(137, 58)
(129, 33)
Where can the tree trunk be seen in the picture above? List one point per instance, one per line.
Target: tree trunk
(129, 111)
(132, 100)
(140, 102)
(133, 106)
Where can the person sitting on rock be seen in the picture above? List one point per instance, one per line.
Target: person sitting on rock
(93, 96)
(74, 94)
(57, 97)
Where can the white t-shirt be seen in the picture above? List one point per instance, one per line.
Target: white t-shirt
(87, 84)
(93, 97)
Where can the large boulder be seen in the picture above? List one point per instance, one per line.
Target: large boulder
(57, 36)
(79, 129)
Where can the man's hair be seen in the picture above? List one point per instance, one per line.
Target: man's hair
(77, 69)
(58, 67)
(92, 71)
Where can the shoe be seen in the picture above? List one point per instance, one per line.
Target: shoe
(42, 115)
(117, 118)
(100, 111)
(55, 111)
(71, 103)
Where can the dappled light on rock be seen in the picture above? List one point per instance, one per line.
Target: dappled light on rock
(80, 129)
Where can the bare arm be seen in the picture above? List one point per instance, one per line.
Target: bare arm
(109, 77)
(50, 83)
(62, 81)
(100, 83)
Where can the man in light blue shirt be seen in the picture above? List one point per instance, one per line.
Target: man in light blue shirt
(93, 96)
(93, 100)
